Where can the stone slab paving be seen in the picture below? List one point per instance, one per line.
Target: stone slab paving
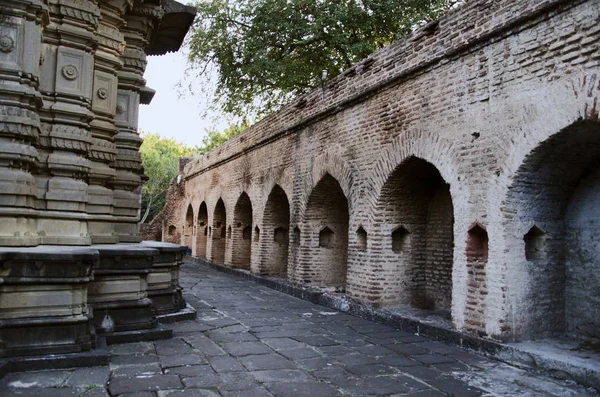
(249, 340)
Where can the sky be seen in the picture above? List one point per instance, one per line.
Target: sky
(169, 115)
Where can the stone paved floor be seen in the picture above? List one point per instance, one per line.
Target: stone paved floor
(249, 340)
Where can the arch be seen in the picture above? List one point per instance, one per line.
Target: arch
(552, 213)
(274, 245)
(241, 233)
(331, 165)
(417, 215)
(201, 230)
(188, 229)
(422, 144)
(218, 241)
(324, 264)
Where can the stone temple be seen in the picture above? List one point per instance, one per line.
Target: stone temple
(455, 171)
(72, 264)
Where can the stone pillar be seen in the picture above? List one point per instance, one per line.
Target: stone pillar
(111, 44)
(129, 175)
(65, 139)
(20, 45)
(43, 300)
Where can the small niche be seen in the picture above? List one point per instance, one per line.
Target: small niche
(326, 237)
(361, 238)
(297, 235)
(172, 230)
(280, 235)
(247, 233)
(256, 233)
(202, 223)
(400, 240)
(535, 243)
(224, 231)
(477, 244)
(239, 224)
(206, 231)
(209, 231)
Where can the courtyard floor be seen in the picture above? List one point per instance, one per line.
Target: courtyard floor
(249, 340)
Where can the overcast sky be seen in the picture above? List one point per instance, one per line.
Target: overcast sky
(167, 114)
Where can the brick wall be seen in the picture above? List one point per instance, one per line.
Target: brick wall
(470, 123)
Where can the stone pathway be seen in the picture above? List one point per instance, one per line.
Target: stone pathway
(249, 340)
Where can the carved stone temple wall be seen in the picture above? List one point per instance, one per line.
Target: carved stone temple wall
(454, 171)
(72, 264)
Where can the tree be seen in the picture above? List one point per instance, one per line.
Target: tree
(160, 157)
(266, 52)
(160, 161)
(214, 139)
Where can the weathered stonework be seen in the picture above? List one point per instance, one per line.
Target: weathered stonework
(71, 81)
(455, 170)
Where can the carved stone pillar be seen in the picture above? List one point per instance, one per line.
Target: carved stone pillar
(141, 21)
(20, 45)
(111, 44)
(65, 140)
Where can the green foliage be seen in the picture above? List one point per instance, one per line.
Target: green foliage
(160, 161)
(266, 52)
(215, 139)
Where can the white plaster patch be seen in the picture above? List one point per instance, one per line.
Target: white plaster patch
(22, 385)
(209, 318)
(345, 306)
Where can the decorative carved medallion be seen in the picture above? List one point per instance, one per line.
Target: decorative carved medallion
(69, 72)
(121, 108)
(7, 44)
(102, 93)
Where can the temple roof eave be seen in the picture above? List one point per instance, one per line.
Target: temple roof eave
(172, 29)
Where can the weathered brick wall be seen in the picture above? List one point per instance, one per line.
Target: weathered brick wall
(437, 154)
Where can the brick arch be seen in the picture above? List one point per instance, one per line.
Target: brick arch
(241, 236)
(415, 215)
(554, 196)
(201, 230)
(217, 238)
(427, 146)
(282, 177)
(323, 251)
(329, 164)
(188, 226)
(274, 245)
